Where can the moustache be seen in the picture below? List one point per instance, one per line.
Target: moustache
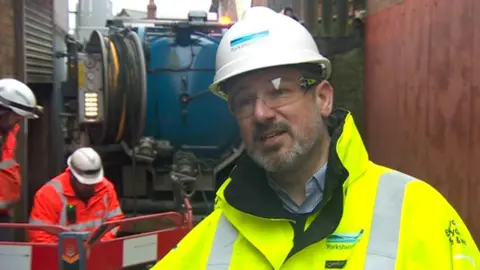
(265, 129)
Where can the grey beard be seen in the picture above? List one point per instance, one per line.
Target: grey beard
(273, 162)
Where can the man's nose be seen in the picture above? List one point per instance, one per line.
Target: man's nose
(261, 112)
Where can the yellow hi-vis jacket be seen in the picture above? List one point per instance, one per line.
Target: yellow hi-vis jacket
(372, 217)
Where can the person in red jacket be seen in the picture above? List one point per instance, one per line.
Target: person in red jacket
(80, 199)
(17, 102)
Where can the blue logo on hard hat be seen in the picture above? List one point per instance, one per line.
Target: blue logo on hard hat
(240, 40)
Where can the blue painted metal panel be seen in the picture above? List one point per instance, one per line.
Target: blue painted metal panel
(204, 122)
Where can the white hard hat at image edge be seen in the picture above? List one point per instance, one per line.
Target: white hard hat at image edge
(86, 165)
(263, 38)
(18, 97)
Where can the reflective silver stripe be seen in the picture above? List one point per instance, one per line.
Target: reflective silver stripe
(385, 230)
(113, 213)
(110, 213)
(384, 234)
(115, 230)
(37, 222)
(81, 226)
(6, 204)
(63, 213)
(105, 202)
(7, 164)
(222, 248)
(87, 225)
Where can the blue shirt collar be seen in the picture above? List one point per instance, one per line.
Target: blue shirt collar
(313, 189)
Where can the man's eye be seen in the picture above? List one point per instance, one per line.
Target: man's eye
(281, 91)
(242, 102)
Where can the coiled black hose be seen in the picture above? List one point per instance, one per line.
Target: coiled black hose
(126, 89)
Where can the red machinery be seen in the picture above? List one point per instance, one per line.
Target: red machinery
(84, 251)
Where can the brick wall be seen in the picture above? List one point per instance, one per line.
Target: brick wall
(7, 40)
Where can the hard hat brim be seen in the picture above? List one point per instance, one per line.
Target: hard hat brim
(25, 114)
(97, 178)
(270, 59)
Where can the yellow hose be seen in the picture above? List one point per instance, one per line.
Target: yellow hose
(121, 127)
(113, 51)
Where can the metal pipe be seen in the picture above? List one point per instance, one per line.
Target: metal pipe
(92, 28)
(327, 17)
(172, 23)
(298, 9)
(311, 16)
(59, 69)
(342, 22)
(144, 206)
(21, 211)
(214, 6)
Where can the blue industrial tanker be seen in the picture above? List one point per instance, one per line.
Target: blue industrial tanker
(180, 109)
(141, 99)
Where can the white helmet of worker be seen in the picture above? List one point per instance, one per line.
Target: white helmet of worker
(86, 165)
(18, 97)
(264, 38)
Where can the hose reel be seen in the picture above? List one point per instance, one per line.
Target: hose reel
(125, 87)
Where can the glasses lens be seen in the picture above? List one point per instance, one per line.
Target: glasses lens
(274, 93)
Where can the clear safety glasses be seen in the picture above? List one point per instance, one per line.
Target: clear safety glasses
(274, 94)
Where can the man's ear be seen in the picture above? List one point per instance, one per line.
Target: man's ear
(324, 98)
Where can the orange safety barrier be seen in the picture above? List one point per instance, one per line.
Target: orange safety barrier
(85, 251)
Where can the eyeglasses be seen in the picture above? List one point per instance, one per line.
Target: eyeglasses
(279, 93)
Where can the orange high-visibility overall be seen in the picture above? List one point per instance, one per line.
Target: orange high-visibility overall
(51, 202)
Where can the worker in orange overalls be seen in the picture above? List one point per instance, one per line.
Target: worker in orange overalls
(17, 102)
(80, 199)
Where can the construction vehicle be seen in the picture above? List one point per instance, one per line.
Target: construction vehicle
(138, 94)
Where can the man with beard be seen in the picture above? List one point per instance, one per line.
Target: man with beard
(17, 102)
(307, 196)
(80, 199)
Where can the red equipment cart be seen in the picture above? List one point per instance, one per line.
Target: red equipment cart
(85, 251)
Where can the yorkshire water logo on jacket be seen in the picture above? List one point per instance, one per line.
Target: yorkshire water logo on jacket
(343, 240)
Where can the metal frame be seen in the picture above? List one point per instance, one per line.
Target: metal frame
(172, 23)
(82, 251)
(21, 212)
(39, 27)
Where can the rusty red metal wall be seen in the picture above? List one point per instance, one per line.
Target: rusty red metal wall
(422, 95)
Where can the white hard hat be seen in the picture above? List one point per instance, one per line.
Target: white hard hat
(86, 165)
(18, 97)
(264, 38)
